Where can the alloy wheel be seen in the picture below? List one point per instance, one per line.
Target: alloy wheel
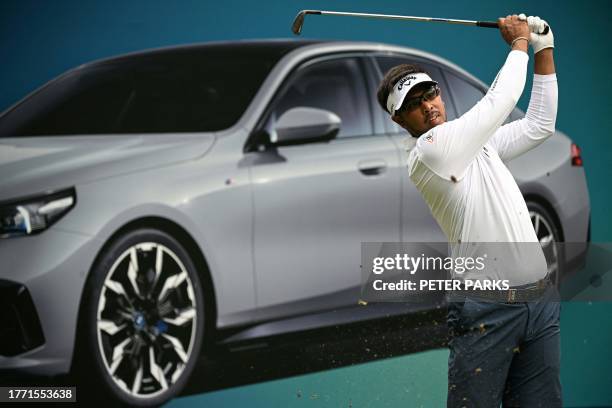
(146, 320)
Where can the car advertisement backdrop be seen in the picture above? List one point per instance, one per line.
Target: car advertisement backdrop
(39, 40)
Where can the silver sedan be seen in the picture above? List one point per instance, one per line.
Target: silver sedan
(156, 203)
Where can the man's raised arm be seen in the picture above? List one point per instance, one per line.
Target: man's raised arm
(522, 135)
(459, 141)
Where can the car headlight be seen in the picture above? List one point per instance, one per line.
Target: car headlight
(34, 215)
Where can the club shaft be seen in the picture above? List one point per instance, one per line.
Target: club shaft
(397, 17)
(298, 22)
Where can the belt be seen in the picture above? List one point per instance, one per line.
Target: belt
(524, 293)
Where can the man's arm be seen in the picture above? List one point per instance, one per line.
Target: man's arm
(454, 145)
(544, 62)
(522, 135)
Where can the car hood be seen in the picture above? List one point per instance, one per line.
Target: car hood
(32, 165)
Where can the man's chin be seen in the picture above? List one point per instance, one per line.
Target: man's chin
(427, 127)
(432, 125)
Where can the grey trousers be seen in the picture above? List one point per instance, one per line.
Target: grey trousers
(504, 353)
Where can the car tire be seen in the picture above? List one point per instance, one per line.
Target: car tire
(142, 323)
(549, 235)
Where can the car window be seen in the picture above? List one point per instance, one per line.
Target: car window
(336, 85)
(385, 63)
(187, 91)
(465, 94)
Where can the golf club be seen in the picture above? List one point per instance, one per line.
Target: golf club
(298, 22)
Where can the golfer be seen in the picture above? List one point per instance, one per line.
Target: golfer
(506, 349)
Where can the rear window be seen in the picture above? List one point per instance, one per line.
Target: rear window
(194, 90)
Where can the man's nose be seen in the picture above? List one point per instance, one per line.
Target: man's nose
(426, 105)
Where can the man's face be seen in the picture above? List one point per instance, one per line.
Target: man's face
(422, 110)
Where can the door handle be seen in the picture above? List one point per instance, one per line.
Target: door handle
(372, 167)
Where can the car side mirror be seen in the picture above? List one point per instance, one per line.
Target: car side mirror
(302, 124)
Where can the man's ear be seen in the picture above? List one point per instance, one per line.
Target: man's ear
(398, 119)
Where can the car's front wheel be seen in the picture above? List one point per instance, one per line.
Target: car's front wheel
(143, 320)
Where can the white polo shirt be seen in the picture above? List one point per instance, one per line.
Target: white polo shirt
(459, 169)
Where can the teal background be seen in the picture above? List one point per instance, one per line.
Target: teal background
(41, 39)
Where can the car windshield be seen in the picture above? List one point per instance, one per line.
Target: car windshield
(191, 89)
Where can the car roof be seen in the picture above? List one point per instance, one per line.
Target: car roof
(383, 48)
(275, 48)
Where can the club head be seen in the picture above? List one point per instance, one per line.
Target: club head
(298, 22)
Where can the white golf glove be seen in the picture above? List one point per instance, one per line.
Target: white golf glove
(538, 41)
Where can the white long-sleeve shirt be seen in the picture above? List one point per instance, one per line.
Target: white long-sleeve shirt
(458, 166)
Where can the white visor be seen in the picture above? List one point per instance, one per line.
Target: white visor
(402, 87)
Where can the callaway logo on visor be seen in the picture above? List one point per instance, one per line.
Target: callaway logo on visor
(403, 86)
(403, 81)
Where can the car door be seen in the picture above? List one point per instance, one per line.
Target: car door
(314, 203)
(418, 225)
